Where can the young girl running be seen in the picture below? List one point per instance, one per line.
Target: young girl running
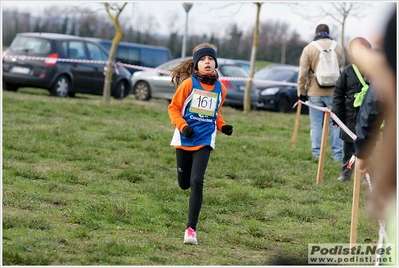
(195, 112)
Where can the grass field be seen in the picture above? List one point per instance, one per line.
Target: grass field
(86, 183)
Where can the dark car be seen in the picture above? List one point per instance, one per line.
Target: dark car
(157, 83)
(131, 54)
(277, 85)
(63, 64)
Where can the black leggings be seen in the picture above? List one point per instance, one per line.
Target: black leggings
(191, 167)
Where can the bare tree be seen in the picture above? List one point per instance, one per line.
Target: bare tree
(112, 8)
(337, 11)
(247, 95)
(14, 22)
(273, 39)
(174, 42)
(342, 10)
(233, 39)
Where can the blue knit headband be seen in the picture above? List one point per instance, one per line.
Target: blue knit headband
(207, 51)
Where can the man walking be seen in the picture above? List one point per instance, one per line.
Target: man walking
(309, 88)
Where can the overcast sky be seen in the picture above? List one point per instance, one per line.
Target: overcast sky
(215, 16)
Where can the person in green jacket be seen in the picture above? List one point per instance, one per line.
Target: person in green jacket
(349, 91)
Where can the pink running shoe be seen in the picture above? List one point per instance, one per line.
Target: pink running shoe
(190, 237)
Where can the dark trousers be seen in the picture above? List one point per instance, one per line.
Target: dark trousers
(191, 167)
(347, 151)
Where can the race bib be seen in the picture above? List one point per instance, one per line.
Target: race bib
(204, 102)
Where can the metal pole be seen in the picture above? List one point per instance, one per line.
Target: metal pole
(183, 50)
(187, 7)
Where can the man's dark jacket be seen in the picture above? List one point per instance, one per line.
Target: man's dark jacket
(345, 89)
(368, 124)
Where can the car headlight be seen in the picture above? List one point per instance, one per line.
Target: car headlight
(269, 91)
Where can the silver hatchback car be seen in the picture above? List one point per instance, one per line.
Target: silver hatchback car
(157, 83)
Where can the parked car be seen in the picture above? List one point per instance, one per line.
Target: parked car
(157, 84)
(246, 64)
(63, 64)
(138, 54)
(281, 95)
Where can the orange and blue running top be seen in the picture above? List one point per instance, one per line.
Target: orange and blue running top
(198, 105)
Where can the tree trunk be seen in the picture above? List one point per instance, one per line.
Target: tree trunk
(247, 96)
(114, 47)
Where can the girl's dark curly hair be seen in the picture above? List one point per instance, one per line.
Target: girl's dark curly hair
(185, 68)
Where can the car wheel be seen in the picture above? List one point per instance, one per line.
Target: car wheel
(9, 87)
(142, 91)
(61, 87)
(283, 106)
(121, 90)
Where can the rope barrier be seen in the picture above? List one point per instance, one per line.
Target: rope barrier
(143, 68)
(382, 232)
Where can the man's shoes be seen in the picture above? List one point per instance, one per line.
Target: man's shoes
(190, 237)
(342, 178)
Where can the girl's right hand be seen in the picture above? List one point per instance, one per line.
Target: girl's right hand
(188, 131)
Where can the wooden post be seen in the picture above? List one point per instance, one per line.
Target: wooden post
(355, 205)
(323, 146)
(298, 114)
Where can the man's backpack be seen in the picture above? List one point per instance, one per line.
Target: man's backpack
(327, 70)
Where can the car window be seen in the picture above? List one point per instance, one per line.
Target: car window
(276, 75)
(295, 78)
(232, 70)
(169, 65)
(106, 45)
(246, 67)
(153, 57)
(96, 53)
(77, 50)
(63, 49)
(30, 45)
(128, 55)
